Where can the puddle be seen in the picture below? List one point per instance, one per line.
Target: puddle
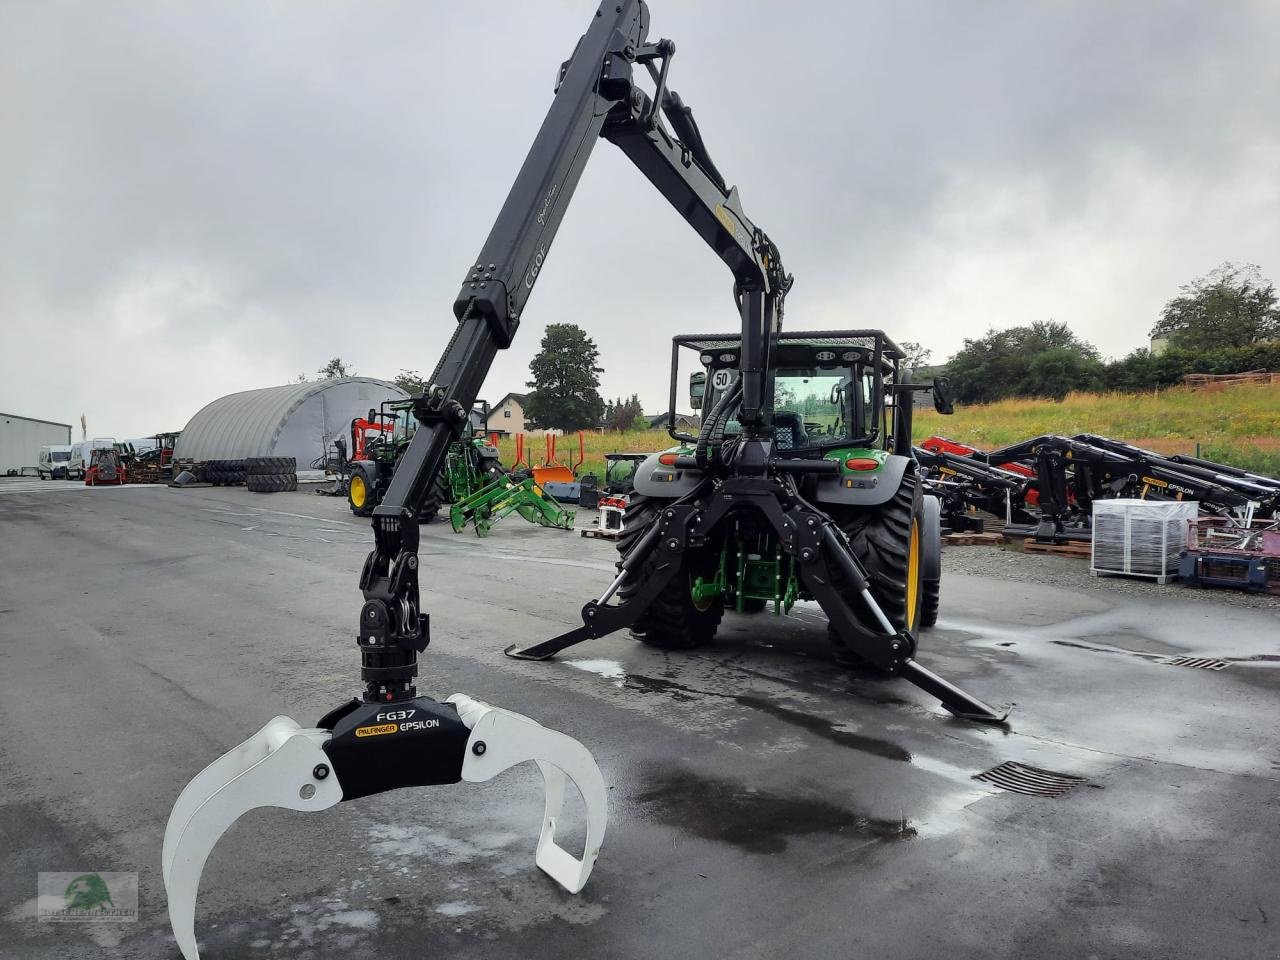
(755, 821)
(826, 729)
(609, 669)
(1133, 643)
(398, 843)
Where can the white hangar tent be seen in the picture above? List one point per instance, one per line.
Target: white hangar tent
(296, 420)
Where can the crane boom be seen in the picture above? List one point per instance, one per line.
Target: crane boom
(596, 96)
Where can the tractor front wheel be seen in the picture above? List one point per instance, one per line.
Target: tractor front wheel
(889, 541)
(359, 495)
(674, 620)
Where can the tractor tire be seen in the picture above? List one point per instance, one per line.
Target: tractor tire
(887, 540)
(438, 497)
(270, 466)
(271, 482)
(361, 497)
(673, 621)
(931, 559)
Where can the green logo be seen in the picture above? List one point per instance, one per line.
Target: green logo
(87, 892)
(87, 896)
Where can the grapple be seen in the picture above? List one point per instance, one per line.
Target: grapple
(364, 748)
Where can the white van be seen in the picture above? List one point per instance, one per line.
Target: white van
(54, 462)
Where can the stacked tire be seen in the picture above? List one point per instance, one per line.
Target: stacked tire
(271, 474)
(225, 473)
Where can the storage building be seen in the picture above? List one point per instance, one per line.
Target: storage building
(297, 420)
(22, 437)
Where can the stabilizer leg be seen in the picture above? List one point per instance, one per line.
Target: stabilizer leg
(598, 617)
(891, 650)
(952, 697)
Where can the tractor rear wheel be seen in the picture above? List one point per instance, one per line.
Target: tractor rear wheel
(435, 500)
(931, 575)
(889, 541)
(674, 620)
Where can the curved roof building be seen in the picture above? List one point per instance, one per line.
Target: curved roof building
(295, 420)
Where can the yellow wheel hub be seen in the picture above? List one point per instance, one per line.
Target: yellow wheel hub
(913, 574)
(358, 492)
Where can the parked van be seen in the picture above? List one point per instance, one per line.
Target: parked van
(54, 462)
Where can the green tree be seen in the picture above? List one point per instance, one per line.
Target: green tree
(411, 382)
(1003, 363)
(622, 414)
(565, 386)
(337, 367)
(917, 354)
(1231, 306)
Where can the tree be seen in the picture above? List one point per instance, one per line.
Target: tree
(565, 385)
(1231, 306)
(337, 367)
(411, 382)
(917, 354)
(624, 414)
(1003, 363)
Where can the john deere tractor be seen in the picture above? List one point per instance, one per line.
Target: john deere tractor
(839, 402)
(379, 442)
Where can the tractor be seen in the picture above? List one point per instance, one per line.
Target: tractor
(836, 399)
(378, 442)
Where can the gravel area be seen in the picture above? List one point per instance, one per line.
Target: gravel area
(1011, 563)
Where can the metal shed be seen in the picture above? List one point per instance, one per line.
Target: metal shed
(22, 437)
(295, 420)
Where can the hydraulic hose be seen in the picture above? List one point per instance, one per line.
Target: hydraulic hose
(712, 427)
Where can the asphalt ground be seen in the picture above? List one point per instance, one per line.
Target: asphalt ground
(764, 802)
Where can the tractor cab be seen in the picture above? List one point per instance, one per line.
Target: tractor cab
(826, 391)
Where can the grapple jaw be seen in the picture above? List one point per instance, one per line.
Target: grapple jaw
(366, 748)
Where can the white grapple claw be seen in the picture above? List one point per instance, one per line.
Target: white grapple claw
(285, 765)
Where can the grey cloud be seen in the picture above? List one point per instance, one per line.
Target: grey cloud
(229, 194)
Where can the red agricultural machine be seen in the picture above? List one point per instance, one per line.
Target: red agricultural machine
(105, 466)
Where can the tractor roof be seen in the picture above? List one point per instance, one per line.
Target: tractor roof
(867, 339)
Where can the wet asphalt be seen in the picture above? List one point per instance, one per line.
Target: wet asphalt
(764, 802)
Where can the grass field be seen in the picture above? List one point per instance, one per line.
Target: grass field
(1235, 425)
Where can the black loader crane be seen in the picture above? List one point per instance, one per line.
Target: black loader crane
(393, 737)
(597, 96)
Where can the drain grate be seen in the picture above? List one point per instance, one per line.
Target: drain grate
(1032, 781)
(1199, 663)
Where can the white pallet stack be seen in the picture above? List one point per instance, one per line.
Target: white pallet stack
(1140, 538)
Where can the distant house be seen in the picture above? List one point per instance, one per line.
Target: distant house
(506, 417)
(688, 422)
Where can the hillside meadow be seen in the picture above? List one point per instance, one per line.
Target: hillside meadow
(1237, 425)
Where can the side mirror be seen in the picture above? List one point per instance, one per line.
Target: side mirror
(943, 401)
(697, 388)
(373, 415)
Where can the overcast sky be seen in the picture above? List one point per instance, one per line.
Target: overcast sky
(198, 198)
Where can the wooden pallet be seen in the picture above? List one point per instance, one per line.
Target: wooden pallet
(973, 539)
(597, 532)
(1070, 549)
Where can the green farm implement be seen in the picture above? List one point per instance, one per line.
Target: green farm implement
(506, 495)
